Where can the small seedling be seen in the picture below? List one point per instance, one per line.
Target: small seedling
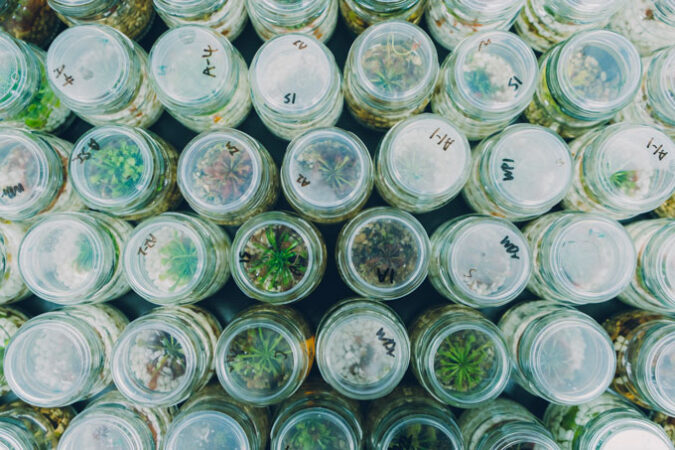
(223, 175)
(181, 259)
(115, 169)
(463, 361)
(315, 435)
(170, 357)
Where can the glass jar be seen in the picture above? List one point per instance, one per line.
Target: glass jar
(653, 285)
(226, 17)
(544, 23)
(479, 261)
(579, 258)
(113, 422)
(164, 356)
(62, 357)
(131, 17)
(667, 422)
(176, 258)
(667, 209)
(34, 175)
(31, 21)
(628, 429)
(422, 163)
(317, 414)
(485, 83)
(271, 18)
(389, 74)
(26, 98)
(360, 14)
(327, 175)
(10, 321)
(264, 354)
(101, 75)
(25, 427)
(74, 258)
(227, 176)
(459, 356)
(584, 81)
(409, 419)
(304, 92)
(560, 353)
(621, 171)
(450, 21)
(211, 419)
(503, 424)
(362, 349)
(278, 258)
(200, 77)
(645, 349)
(127, 172)
(519, 174)
(12, 287)
(649, 24)
(383, 253)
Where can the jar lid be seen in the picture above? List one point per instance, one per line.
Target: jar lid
(659, 367)
(584, 11)
(66, 257)
(31, 173)
(14, 74)
(660, 81)
(14, 437)
(112, 166)
(210, 429)
(658, 264)
(107, 428)
(626, 430)
(422, 430)
(311, 422)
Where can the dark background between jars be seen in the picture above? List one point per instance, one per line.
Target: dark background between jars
(230, 300)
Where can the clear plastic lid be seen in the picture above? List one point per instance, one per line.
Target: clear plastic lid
(31, 174)
(619, 430)
(208, 430)
(14, 437)
(658, 364)
(417, 432)
(395, 61)
(66, 257)
(107, 428)
(193, 66)
(327, 173)
(112, 166)
(305, 75)
(660, 83)
(310, 424)
(658, 263)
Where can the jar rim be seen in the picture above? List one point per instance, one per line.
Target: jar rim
(20, 64)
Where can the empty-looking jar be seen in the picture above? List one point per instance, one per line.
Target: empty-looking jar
(74, 258)
(62, 357)
(383, 253)
(560, 353)
(459, 356)
(200, 77)
(362, 349)
(503, 424)
(485, 83)
(12, 287)
(101, 75)
(649, 24)
(25, 427)
(264, 354)
(176, 258)
(579, 257)
(450, 21)
(305, 91)
(227, 176)
(327, 174)
(34, 175)
(390, 74)
(36, 23)
(26, 99)
(479, 261)
(131, 17)
(127, 172)
(520, 173)
(422, 163)
(278, 257)
(360, 14)
(409, 419)
(645, 352)
(653, 285)
(544, 23)
(211, 419)
(317, 414)
(654, 103)
(585, 81)
(226, 17)
(10, 321)
(271, 18)
(621, 171)
(113, 422)
(165, 355)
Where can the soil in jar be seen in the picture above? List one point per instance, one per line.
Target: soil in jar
(464, 361)
(158, 361)
(222, 177)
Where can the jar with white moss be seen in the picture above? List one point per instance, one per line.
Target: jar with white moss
(649, 24)
(12, 287)
(26, 427)
(176, 258)
(360, 14)
(315, 18)
(165, 355)
(226, 17)
(62, 357)
(10, 321)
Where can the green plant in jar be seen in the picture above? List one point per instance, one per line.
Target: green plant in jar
(163, 361)
(115, 169)
(222, 176)
(315, 434)
(29, 20)
(419, 436)
(626, 181)
(329, 161)
(393, 67)
(36, 114)
(463, 360)
(180, 258)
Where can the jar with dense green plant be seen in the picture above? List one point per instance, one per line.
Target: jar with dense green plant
(272, 18)
(226, 17)
(31, 21)
(12, 287)
(360, 14)
(26, 427)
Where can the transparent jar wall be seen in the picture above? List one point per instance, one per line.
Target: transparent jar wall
(126, 172)
(459, 356)
(12, 287)
(46, 425)
(667, 209)
(274, 17)
(131, 17)
(10, 322)
(226, 17)
(360, 14)
(37, 25)
(667, 422)
(649, 24)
